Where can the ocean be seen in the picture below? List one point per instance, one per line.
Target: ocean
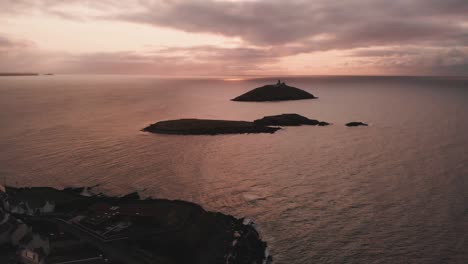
(393, 192)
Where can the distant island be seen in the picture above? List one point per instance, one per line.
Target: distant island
(46, 225)
(268, 124)
(354, 124)
(18, 74)
(207, 127)
(23, 74)
(274, 92)
(289, 120)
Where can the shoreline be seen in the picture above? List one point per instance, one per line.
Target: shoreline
(150, 230)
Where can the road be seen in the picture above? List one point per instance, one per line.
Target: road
(111, 251)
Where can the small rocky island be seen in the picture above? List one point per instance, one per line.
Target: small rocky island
(274, 92)
(354, 124)
(45, 225)
(207, 127)
(289, 120)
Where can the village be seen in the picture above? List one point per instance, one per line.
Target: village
(49, 226)
(39, 235)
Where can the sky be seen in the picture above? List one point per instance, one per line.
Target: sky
(235, 38)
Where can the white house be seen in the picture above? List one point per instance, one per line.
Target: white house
(25, 208)
(31, 256)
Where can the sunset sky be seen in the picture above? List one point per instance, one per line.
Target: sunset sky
(245, 37)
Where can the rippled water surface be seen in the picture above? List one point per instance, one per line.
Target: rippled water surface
(393, 192)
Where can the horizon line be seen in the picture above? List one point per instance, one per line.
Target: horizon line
(252, 76)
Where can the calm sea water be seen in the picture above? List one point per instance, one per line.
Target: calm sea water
(393, 192)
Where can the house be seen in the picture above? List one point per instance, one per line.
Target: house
(7, 225)
(30, 209)
(31, 256)
(34, 241)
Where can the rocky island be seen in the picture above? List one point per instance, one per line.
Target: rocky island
(274, 92)
(354, 124)
(45, 225)
(267, 124)
(288, 120)
(207, 127)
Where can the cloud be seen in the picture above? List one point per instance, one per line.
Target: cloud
(266, 23)
(423, 34)
(394, 52)
(18, 55)
(200, 60)
(183, 61)
(212, 60)
(411, 59)
(276, 22)
(7, 42)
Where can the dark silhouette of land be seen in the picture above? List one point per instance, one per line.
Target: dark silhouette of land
(267, 124)
(274, 92)
(288, 120)
(207, 127)
(65, 226)
(18, 74)
(354, 124)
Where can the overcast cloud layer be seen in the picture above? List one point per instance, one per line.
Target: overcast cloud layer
(404, 37)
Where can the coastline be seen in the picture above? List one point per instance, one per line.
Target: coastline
(165, 231)
(18, 74)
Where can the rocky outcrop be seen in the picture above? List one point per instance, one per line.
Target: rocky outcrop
(323, 123)
(274, 92)
(288, 120)
(207, 127)
(354, 124)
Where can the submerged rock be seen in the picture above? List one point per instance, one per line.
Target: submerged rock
(353, 124)
(323, 123)
(274, 92)
(288, 120)
(207, 127)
